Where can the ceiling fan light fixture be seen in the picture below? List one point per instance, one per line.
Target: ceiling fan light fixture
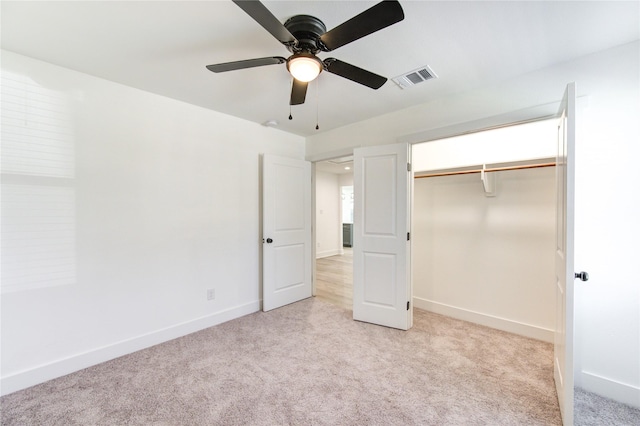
(304, 67)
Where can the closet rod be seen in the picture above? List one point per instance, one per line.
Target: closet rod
(493, 169)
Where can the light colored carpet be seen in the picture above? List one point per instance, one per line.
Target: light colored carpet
(308, 363)
(595, 410)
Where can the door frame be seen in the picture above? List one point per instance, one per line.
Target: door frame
(313, 228)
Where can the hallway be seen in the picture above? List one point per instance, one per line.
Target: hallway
(334, 279)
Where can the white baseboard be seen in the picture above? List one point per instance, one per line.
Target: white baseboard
(503, 324)
(62, 367)
(327, 253)
(621, 392)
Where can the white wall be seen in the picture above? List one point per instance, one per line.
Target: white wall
(525, 142)
(156, 201)
(346, 179)
(328, 222)
(607, 357)
(488, 260)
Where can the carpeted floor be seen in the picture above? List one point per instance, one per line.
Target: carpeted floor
(308, 363)
(595, 410)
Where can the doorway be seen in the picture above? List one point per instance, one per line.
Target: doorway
(334, 231)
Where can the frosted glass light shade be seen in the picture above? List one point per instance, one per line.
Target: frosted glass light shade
(304, 68)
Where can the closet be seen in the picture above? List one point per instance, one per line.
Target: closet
(484, 228)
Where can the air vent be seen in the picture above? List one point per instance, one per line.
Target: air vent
(341, 160)
(414, 77)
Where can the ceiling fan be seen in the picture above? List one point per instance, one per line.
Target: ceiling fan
(305, 36)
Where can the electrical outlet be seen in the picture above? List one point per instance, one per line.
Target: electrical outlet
(318, 245)
(211, 294)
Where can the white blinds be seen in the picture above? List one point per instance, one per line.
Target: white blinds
(38, 186)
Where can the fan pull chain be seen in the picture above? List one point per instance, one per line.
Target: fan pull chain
(290, 89)
(317, 105)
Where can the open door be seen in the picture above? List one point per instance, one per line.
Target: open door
(565, 182)
(381, 246)
(286, 231)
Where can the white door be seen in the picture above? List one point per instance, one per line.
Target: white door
(286, 231)
(381, 246)
(565, 172)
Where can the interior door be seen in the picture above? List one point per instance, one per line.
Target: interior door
(565, 172)
(286, 230)
(381, 246)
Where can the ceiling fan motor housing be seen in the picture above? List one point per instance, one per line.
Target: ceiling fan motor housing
(307, 30)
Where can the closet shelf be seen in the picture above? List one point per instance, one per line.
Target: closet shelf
(488, 179)
(547, 162)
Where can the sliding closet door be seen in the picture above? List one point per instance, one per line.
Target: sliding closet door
(565, 182)
(381, 246)
(286, 222)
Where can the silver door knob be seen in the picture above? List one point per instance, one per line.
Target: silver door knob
(583, 276)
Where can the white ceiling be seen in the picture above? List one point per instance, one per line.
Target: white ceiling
(340, 166)
(163, 47)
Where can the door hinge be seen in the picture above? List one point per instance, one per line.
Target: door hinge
(407, 306)
(408, 236)
(408, 167)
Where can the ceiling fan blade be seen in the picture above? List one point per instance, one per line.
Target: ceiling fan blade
(298, 92)
(353, 73)
(371, 20)
(264, 17)
(248, 63)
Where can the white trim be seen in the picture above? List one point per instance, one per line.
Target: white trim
(487, 320)
(521, 116)
(540, 112)
(61, 367)
(609, 388)
(314, 254)
(323, 156)
(327, 253)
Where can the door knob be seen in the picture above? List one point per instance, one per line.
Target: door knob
(583, 276)
(269, 240)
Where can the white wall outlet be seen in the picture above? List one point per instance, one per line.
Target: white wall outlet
(211, 293)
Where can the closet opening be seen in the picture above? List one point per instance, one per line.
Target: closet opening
(483, 228)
